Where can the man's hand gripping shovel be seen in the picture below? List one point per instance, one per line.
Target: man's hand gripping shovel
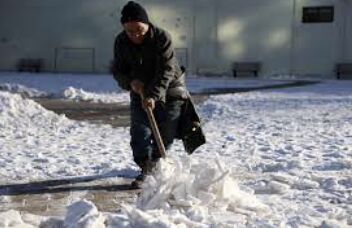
(154, 128)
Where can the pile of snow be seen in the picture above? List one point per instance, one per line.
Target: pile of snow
(23, 90)
(24, 117)
(83, 214)
(198, 196)
(80, 95)
(203, 195)
(69, 93)
(38, 144)
(78, 87)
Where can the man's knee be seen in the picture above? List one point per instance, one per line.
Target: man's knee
(140, 140)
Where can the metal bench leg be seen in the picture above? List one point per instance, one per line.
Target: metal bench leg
(234, 74)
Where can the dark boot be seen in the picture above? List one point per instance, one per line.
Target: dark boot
(147, 168)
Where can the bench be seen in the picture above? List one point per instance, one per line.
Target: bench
(246, 67)
(30, 65)
(343, 69)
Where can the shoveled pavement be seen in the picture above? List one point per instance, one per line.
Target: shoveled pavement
(51, 197)
(117, 114)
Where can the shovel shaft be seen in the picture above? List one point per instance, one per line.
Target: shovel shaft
(155, 130)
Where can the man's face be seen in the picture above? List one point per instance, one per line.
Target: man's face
(136, 31)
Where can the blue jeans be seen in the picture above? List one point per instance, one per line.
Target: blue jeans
(142, 140)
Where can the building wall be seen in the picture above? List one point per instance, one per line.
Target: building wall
(78, 35)
(316, 46)
(347, 32)
(177, 18)
(66, 33)
(259, 31)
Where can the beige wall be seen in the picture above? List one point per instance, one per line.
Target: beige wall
(177, 18)
(78, 35)
(39, 29)
(259, 31)
(316, 46)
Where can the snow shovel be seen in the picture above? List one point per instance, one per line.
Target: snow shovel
(155, 129)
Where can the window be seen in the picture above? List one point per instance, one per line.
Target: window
(320, 14)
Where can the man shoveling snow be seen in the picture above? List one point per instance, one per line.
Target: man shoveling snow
(145, 64)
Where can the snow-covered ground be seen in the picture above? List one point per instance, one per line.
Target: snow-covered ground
(280, 158)
(102, 88)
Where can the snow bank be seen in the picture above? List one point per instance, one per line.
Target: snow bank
(81, 95)
(24, 117)
(69, 93)
(23, 90)
(38, 144)
(78, 87)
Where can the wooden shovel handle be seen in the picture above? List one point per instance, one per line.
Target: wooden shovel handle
(155, 129)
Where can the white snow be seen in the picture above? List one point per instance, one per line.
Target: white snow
(79, 87)
(83, 214)
(23, 90)
(81, 95)
(103, 88)
(278, 158)
(38, 144)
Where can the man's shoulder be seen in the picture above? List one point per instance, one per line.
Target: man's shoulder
(120, 37)
(161, 33)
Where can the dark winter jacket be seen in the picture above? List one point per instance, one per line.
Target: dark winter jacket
(190, 131)
(153, 62)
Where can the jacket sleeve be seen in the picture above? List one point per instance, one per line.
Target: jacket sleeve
(120, 68)
(165, 69)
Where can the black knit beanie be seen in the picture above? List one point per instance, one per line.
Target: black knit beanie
(132, 11)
